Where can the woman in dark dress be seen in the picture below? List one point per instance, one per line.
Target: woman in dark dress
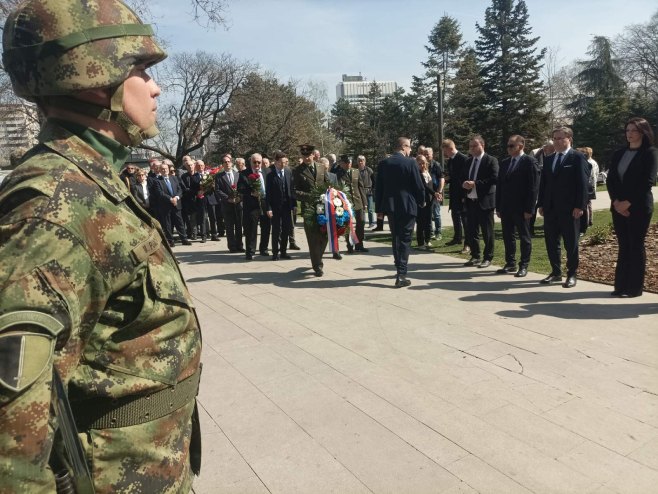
(424, 217)
(630, 178)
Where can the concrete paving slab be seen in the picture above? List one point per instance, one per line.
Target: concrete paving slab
(465, 382)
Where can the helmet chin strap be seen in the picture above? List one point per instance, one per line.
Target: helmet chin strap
(113, 114)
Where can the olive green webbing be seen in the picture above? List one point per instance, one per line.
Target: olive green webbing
(65, 43)
(128, 411)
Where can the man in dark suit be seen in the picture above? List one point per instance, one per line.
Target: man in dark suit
(169, 204)
(306, 177)
(457, 166)
(188, 211)
(226, 184)
(398, 193)
(480, 200)
(279, 201)
(253, 206)
(562, 200)
(516, 196)
(140, 192)
(212, 201)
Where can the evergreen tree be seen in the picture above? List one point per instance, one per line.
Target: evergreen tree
(346, 124)
(602, 106)
(510, 65)
(421, 106)
(466, 101)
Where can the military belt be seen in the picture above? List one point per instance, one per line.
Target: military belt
(131, 410)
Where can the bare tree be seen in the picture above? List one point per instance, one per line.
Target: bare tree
(199, 87)
(639, 46)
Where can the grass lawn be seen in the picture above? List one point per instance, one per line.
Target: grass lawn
(539, 260)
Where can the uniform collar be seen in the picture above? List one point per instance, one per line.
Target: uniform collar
(98, 156)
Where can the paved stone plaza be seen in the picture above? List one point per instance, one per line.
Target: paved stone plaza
(465, 382)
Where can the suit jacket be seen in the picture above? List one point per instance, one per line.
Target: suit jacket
(138, 193)
(249, 202)
(638, 179)
(399, 189)
(279, 193)
(565, 188)
(354, 189)
(485, 181)
(457, 169)
(516, 191)
(162, 195)
(223, 185)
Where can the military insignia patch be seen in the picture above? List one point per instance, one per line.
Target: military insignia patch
(25, 355)
(23, 358)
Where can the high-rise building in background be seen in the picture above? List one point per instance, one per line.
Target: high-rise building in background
(355, 88)
(19, 128)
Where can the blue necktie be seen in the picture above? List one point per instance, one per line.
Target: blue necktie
(171, 191)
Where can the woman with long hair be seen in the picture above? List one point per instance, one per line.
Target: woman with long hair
(631, 176)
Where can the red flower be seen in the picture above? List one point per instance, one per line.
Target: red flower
(215, 170)
(234, 186)
(253, 176)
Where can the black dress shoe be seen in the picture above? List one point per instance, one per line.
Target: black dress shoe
(186, 242)
(506, 269)
(551, 278)
(401, 282)
(249, 257)
(521, 273)
(294, 247)
(337, 256)
(570, 282)
(171, 244)
(264, 252)
(472, 261)
(350, 249)
(318, 272)
(454, 242)
(275, 257)
(631, 295)
(616, 293)
(214, 238)
(361, 249)
(484, 264)
(283, 255)
(239, 249)
(378, 229)
(203, 240)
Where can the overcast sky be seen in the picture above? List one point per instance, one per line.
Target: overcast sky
(320, 40)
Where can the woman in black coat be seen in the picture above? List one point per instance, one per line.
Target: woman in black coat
(630, 178)
(424, 217)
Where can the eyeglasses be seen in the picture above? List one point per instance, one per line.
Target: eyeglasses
(256, 162)
(511, 145)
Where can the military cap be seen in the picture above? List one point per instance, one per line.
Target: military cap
(345, 158)
(306, 149)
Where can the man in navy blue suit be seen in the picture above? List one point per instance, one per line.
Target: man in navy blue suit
(516, 196)
(398, 193)
(280, 200)
(562, 200)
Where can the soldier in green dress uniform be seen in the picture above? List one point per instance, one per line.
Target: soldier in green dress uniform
(306, 177)
(356, 193)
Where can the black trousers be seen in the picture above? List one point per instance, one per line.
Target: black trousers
(458, 222)
(293, 220)
(199, 219)
(424, 225)
(632, 258)
(512, 224)
(233, 223)
(265, 231)
(402, 226)
(170, 218)
(479, 219)
(250, 228)
(281, 225)
(563, 225)
(216, 219)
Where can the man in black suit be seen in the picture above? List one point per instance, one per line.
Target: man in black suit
(457, 166)
(253, 205)
(562, 200)
(480, 200)
(516, 196)
(169, 204)
(279, 201)
(226, 184)
(212, 201)
(398, 193)
(189, 196)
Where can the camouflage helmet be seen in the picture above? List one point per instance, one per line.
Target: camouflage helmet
(57, 48)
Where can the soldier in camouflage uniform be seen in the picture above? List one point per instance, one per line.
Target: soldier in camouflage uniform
(90, 294)
(306, 176)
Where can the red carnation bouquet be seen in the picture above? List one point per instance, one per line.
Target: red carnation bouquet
(208, 182)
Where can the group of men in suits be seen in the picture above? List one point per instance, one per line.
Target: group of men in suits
(515, 190)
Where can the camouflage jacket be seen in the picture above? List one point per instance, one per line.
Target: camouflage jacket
(88, 283)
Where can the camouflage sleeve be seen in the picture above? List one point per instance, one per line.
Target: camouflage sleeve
(50, 292)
